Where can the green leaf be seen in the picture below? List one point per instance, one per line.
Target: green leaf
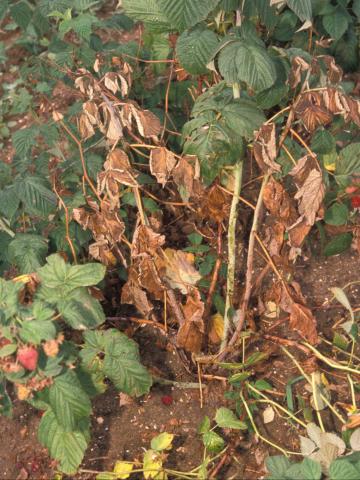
(195, 49)
(68, 447)
(277, 465)
(226, 418)
(9, 202)
(122, 365)
(355, 7)
(184, 14)
(68, 400)
(343, 470)
(323, 142)
(9, 299)
(148, 11)
(23, 140)
(245, 61)
(338, 244)
(8, 349)
(21, 13)
(37, 198)
(81, 311)
(34, 331)
(213, 442)
(5, 400)
(204, 425)
(62, 277)
(121, 361)
(336, 23)
(311, 470)
(162, 442)
(348, 164)
(27, 251)
(303, 8)
(337, 214)
(243, 117)
(4, 5)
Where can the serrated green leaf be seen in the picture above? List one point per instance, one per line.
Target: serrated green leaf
(226, 418)
(162, 442)
(5, 400)
(37, 198)
(348, 164)
(213, 442)
(355, 7)
(9, 202)
(21, 14)
(68, 447)
(80, 310)
(337, 214)
(34, 331)
(311, 470)
(323, 142)
(343, 470)
(195, 48)
(303, 8)
(8, 349)
(184, 14)
(60, 278)
(9, 299)
(338, 244)
(204, 425)
(68, 400)
(27, 252)
(122, 365)
(4, 5)
(243, 117)
(23, 140)
(336, 24)
(245, 61)
(277, 465)
(148, 11)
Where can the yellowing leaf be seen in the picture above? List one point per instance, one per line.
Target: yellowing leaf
(152, 466)
(216, 328)
(123, 469)
(162, 441)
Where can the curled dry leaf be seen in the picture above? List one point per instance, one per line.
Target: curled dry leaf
(215, 204)
(148, 124)
(145, 240)
(311, 188)
(162, 163)
(177, 269)
(133, 294)
(298, 66)
(117, 171)
(191, 333)
(303, 321)
(185, 174)
(312, 111)
(265, 149)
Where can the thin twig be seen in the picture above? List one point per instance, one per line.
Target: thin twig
(67, 221)
(215, 275)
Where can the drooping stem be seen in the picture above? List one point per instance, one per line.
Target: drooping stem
(230, 282)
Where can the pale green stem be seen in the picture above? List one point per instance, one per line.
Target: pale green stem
(230, 281)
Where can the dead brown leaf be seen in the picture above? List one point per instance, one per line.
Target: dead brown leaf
(133, 294)
(311, 189)
(186, 172)
(162, 163)
(303, 321)
(265, 149)
(177, 269)
(191, 333)
(215, 204)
